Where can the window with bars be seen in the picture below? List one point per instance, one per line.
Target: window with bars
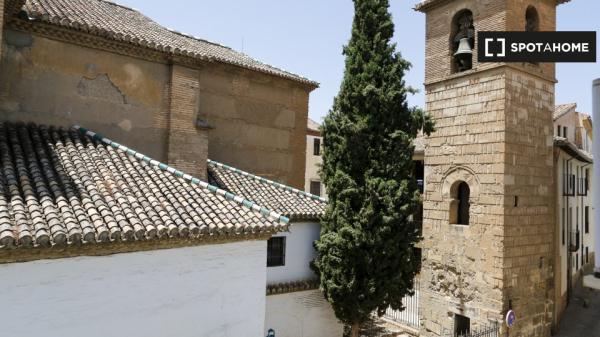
(317, 147)
(563, 226)
(276, 251)
(315, 188)
(587, 219)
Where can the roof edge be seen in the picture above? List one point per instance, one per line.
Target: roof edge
(263, 211)
(266, 181)
(572, 150)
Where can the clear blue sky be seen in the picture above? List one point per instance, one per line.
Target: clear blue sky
(306, 37)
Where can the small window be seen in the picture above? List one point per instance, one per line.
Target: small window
(459, 206)
(317, 147)
(564, 131)
(462, 325)
(276, 251)
(576, 261)
(558, 130)
(532, 20)
(587, 219)
(563, 226)
(587, 254)
(315, 188)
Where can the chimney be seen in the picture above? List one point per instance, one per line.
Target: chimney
(596, 173)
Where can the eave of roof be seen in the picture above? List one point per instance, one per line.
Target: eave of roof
(572, 150)
(563, 109)
(282, 189)
(68, 193)
(426, 5)
(185, 48)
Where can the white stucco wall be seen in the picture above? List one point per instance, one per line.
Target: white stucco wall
(301, 314)
(299, 252)
(212, 290)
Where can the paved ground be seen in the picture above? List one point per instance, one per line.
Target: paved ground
(582, 318)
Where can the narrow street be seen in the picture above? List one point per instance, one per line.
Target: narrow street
(582, 318)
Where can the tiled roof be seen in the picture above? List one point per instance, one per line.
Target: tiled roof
(291, 202)
(65, 187)
(120, 23)
(562, 109)
(312, 125)
(427, 4)
(572, 149)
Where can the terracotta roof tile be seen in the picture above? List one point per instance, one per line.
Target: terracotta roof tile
(65, 187)
(562, 109)
(120, 23)
(291, 202)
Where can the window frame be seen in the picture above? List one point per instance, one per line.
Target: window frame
(310, 187)
(279, 259)
(316, 146)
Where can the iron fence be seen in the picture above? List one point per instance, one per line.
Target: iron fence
(410, 314)
(485, 331)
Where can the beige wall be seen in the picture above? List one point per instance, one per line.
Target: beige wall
(259, 122)
(52, 82)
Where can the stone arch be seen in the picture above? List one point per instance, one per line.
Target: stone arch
(461, 27)
(460, 189)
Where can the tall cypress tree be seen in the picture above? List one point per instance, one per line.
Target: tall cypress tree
(365, 255)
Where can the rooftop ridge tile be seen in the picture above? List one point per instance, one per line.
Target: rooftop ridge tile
(267, 181)
(214, 189)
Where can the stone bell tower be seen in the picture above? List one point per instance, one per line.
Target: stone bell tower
(488, 223)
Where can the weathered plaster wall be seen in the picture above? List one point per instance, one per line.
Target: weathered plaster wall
(301, 314)
(211, 290)
(299, 252)
(259, 122)
(313, 164)
(52, 82)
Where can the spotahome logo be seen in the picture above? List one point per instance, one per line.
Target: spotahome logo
(536, 46)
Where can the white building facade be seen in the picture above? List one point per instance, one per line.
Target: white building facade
(574, 250)
(207, 290)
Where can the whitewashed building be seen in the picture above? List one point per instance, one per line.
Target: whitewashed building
(574, 207)
(295, 307)
(97, 239)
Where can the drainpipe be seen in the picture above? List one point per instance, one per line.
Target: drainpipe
(596, 173)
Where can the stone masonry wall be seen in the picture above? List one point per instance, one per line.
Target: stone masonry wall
(494, 131)
(462, 265)
(529, 220)
(188, 144)
(57, 83)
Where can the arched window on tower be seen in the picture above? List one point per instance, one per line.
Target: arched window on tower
(460, 204)
(462, 41)
(532, 20)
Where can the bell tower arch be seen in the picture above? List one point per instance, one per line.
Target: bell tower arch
(490, 161)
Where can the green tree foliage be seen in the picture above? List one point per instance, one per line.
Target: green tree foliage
(365, 255)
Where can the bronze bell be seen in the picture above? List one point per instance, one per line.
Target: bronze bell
(464, 47)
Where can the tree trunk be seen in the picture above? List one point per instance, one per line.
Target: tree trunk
(355, 330)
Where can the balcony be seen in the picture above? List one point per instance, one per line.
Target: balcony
(569, 185)
(582, 186)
